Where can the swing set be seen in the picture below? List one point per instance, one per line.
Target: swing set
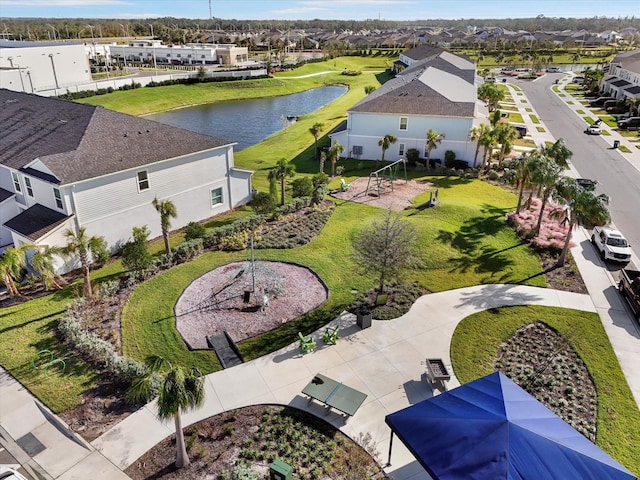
(387, 173)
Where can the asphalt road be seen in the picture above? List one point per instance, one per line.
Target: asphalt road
(592, 156)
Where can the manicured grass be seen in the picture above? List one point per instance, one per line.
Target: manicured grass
(540, 129)
(524, 101)
(475, 345)
(624, 149)
(469, 243)
(569, 102)
(529, 109)
(534, 119)
(515, 117)
(580, 112)
(589, 120)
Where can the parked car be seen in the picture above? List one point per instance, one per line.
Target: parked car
(600, 101)
(593, 129)
(630, 289)
(553, 70)
(587, 183)
(577, 79)
(631, 123)
(490, 80)
(611, 244)
(522, 130)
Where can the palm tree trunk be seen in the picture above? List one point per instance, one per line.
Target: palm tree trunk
(87, 281)
(565, 248)
(282, 191)
(165, 237)
(182, 458)
(11, 286)
(475, 157)
(520, 195)
(539, 224)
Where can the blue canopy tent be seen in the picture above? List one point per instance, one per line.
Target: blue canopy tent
(492, 429)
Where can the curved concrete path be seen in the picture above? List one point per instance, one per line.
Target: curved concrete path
(385, 361)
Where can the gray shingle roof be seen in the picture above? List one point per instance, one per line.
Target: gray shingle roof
(77, 142)
(35, 222)
(4, 194)
(422, 52)
(433, 87)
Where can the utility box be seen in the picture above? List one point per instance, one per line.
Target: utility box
(280, 471)
(616, 143)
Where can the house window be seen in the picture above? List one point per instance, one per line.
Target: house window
(143, 181)
(216, 196)
(58, 196)
(16, 182)
(27, 183)
(401, 150)
(403, 123)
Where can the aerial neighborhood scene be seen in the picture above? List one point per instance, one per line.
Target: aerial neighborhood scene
(329, 240)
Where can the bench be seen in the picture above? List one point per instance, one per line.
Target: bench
(307, 344)
(330, 335)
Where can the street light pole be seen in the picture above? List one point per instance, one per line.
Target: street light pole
(53, 65)
(153, 51)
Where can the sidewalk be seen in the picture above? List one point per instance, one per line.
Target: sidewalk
(43, 443)
(385, 361)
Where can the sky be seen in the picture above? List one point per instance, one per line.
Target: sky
(396, 10)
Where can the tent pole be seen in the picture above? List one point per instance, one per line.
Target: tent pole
(390, 446)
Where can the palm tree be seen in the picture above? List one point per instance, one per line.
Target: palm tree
(280, 172)
(476, 134)
(524, 170)
(12, 262)
(315, 130)
(84, 248)
(167, 211)
(546, 174)
(433, 140)
(574, 58)
(488, 141)
(42, 262)
(559, 153)
(583, 208)
(505, 135)
(333, 154)
(385, 142)
(180, 391)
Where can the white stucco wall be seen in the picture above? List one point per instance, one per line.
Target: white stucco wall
(112, 205)
(32, 68)
(366, 129)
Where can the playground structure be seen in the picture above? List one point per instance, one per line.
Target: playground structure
(379, 177)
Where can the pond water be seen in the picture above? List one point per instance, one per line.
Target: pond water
(249, 121)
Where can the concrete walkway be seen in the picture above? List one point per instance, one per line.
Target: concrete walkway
(385, 361)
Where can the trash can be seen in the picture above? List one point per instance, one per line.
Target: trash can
(363, 318)
(280, 470)
(616, 143)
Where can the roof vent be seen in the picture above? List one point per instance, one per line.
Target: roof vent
(148, 131)
(126, 134)
(62, 121)
(139, 132)
(12, 100)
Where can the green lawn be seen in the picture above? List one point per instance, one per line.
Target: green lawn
(475, 344)
(534, 119)
(468, 241)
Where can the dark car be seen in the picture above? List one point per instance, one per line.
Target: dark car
(631, 123)
(522, 130)
(599, 102)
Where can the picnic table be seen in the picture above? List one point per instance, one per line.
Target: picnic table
(334, 394)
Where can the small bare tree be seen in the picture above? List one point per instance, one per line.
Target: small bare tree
(386, 247)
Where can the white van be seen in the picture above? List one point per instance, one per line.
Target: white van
(553, 70)
(578, 79)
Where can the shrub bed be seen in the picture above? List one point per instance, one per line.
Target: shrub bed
(400, 297)
(294, 231)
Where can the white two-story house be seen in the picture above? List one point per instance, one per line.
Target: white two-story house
(65, 165)
(623, 80)
(438, 93)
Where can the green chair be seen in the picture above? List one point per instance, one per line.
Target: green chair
(307, 344)
(330, 335)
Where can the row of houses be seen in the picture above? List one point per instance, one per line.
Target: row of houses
(415, 36)
(623, 79)
(65, 165)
